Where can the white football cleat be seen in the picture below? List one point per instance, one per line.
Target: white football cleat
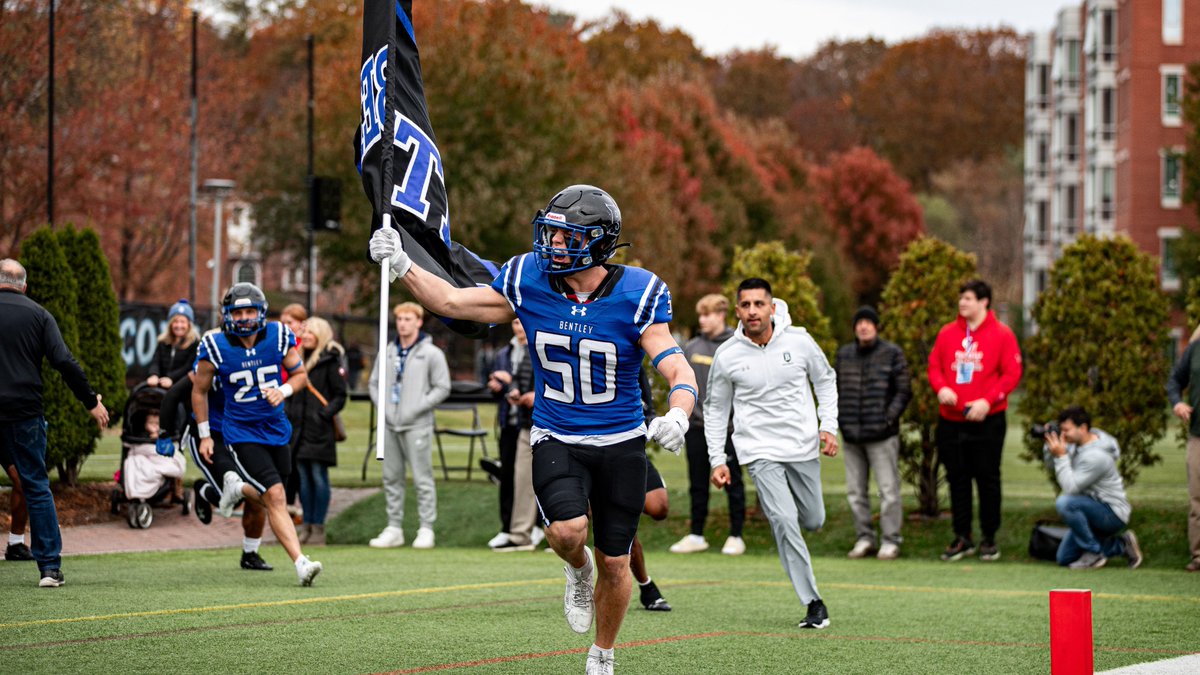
(579, 602)
(231, 493)
(308, 571)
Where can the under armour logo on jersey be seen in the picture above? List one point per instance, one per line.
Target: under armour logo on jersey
(576, 310)
(251, 352)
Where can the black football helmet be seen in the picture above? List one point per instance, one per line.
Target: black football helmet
(592, 221)
(244, 295)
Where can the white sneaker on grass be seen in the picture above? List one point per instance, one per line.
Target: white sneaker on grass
(231, 493)
(537, 536)
(862, 548)
(391, 537)
(307, 570)
(889, 551)
(579, 602)
(734, 546)
(692, 543)
(499, 540)
(424, 538)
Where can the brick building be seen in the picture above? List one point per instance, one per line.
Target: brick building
(1104, 130)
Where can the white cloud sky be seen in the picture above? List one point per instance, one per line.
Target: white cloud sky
(797, 27)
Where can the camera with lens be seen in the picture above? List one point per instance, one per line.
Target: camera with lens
(1039, 431)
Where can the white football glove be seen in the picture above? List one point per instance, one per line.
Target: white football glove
(385, 244)
(668, 430)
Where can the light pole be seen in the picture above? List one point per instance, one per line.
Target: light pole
(218, 189)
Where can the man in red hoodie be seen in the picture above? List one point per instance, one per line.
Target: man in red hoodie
(975, 364)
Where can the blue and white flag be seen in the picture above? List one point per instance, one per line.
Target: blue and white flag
(398, 157)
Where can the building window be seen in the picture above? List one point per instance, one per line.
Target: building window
(1072, 137)
(1043, 213)
(1171, 186)
(1172, 24)
(1072, 49)
(1043, 84)
(1108, 35)
(1106, 193)
(1043, 158)
(1069, 210)
(246, 271)
(1172, 95)
(1168, 239)
(1107, 114)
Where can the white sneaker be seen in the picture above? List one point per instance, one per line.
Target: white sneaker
(599, 664)
(307, 571)
(579, 602)
(424, 538)
(537, 536)
(862, 548)
(499, 540)
(734, 546)
(231, 493)
(888, 551)
(391, 537)
(692, 543)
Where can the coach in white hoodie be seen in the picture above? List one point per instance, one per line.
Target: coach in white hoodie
(764, 373)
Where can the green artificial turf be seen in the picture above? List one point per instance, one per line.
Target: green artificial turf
(417, 611)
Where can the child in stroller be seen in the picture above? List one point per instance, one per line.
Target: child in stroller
(147, 477)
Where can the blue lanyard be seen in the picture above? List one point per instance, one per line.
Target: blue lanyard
(401, 357)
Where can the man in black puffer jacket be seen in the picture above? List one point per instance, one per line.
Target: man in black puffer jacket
(873, 390)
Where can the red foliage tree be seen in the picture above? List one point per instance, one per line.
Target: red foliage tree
(873, 212)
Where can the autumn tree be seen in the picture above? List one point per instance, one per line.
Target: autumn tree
(753, 83)
(874, 213)
(825, 87)
(787, 272)
(945, 97)
(987, 197)
(921, 297)
(71, 433)
(612, 40)
(1102, 336)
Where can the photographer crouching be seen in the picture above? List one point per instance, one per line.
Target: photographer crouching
(1092, 503)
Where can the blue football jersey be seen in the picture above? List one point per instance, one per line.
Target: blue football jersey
(245, 375)
(216, 403)
(586, 356)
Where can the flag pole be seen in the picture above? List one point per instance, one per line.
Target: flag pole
(381, 359)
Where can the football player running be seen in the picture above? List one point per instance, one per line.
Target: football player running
(248, 356)
(589, 324)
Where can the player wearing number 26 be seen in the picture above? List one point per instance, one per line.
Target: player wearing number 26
(589, 324)
(248, 357)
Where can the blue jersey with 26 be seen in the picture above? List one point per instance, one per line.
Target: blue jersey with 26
(586, 356)
(245, 374)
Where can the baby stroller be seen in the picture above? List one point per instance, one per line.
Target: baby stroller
(145, 478)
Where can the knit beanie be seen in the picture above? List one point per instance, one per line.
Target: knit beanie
(865, 312)
(181, 307)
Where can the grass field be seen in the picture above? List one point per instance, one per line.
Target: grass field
(462, 608)
(475, 611)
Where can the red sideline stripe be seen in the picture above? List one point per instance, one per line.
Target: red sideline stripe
(542, 655)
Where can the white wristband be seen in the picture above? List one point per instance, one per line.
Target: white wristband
(286, 389)
(202, 430)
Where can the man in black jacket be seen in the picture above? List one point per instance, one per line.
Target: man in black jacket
(31, 334)
(873, 390)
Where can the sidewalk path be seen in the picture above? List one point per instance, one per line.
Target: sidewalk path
(172, 531)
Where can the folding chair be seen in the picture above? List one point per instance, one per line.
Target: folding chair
(474, 432)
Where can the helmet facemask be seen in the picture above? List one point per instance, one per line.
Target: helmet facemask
(590, 223)
(242, 296)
